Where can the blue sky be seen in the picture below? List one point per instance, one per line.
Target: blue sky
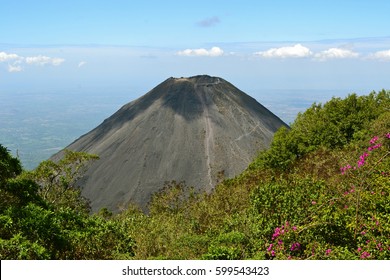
(341, 44)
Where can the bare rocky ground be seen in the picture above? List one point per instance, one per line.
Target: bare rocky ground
(185, 129)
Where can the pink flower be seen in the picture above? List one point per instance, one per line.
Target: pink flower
(375, 147)
(373, 140)
(313, 202)
(273, 253)
(359, 249)
(276, 233)
(295, 246)
(294, 228)
(362, 159)
(388, 135)
(345, 168)
(328, 251)
(363, 233)
(365, 255)
(270, 247)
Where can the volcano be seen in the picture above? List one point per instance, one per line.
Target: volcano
(184, 129)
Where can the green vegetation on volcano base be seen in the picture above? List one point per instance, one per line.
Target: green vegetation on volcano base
(321, 191)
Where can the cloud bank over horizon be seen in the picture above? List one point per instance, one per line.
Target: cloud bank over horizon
(313, 51)
(350, 64)
(16, 62)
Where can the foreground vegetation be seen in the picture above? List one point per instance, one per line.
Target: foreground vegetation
(322, 191)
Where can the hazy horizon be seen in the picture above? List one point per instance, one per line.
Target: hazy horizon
(35, 125)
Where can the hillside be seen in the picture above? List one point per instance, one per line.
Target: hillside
(321, 191)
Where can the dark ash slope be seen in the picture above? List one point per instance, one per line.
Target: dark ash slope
(185, 129)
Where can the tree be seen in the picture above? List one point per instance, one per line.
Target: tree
(43, 216)
(58, 180)
(10, 166)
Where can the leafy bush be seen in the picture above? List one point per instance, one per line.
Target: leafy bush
(332, 125)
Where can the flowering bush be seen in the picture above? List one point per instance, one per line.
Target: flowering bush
(351, 221)
(284, 242)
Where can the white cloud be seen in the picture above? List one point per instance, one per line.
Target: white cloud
(385, 55)
(335, 53)
(16, 63)
(14, 68)
(57, 61)
(214, 51)
(43, 60)
(6, 57)
(81, 64)
(296, 51)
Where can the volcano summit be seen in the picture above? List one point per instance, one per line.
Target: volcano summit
(185, 129)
